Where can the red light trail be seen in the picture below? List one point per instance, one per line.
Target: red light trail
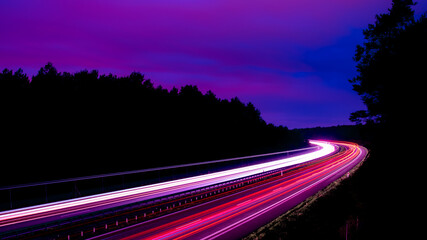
(226, 218)
(260, 193)
(126, 196)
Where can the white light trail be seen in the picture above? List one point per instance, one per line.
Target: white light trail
(155, 190)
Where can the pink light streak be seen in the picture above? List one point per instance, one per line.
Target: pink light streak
(154, 190)
(262, 201)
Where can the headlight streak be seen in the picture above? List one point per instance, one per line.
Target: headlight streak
(260, 202)
(153, 191)
(290, 179)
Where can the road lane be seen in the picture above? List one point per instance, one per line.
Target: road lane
(235, 216)
(51, 211)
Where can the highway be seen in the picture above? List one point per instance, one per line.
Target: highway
(28, 216)
(238, 214)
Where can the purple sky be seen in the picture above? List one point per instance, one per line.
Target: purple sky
(292, 58)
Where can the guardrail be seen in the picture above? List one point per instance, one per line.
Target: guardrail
(93, 224)
(55, 190)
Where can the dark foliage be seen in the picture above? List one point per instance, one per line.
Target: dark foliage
(343, 132)
(391, 73)
(62, 124)
(384, 195)
(391, 66)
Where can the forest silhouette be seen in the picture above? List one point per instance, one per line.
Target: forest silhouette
(385, 193)
(62, 125)
(391, 67)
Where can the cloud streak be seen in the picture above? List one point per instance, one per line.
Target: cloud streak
(296, 51)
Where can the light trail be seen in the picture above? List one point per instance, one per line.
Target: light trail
(50, 211)
(226, 219)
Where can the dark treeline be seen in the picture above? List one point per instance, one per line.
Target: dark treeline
(353, 133)
(385, 194)
(391, 67)
(61, 124)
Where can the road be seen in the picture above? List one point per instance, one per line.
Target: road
(237, 215)
(28, 216)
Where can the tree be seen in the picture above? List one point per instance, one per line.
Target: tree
(47, 78)
(388, 64)
(10, 81)
(391, 74)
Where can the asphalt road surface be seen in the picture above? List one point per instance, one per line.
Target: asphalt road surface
(239, 214)
(29, 216)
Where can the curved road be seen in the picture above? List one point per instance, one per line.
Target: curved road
(28, 216)
(237, 215)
